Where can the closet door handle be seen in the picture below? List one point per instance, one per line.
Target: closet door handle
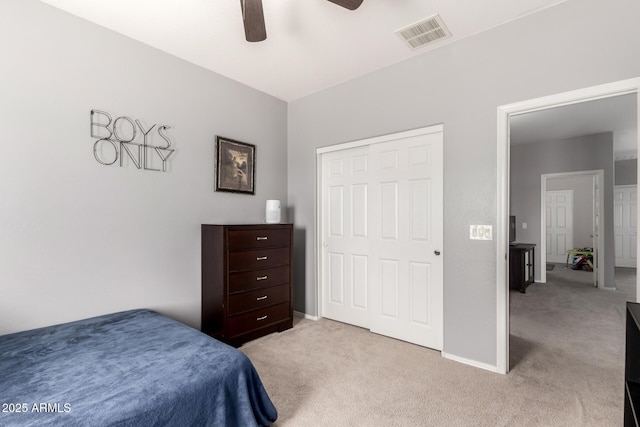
(262, 238)
(261, 258)
(261, 318)
(261, 278)
(262, 298)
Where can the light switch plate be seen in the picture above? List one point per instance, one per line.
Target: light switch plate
(481, 232)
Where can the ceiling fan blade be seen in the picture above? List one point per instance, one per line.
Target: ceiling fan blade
(253, 17)
(349, 4)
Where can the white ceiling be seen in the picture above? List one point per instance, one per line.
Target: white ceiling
(616, 114)
(311, 45)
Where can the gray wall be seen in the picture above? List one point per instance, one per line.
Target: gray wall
(80, 239)
(461, 85)
(626, 172)
(582, 186)
(529, 161)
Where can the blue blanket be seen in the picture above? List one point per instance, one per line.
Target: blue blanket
(134, 368)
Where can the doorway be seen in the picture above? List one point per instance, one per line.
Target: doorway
(590, 207)
(505, 113)
(380, 217)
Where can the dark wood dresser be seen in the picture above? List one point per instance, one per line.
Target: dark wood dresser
(521, 265)
(246, 281)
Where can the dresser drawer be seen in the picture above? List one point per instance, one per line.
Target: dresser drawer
(260, 298)
(257, 319)
(262, 258)
(256, 279)
(258, 238)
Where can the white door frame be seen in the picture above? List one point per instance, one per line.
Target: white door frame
(344, 146)
(505, 112)
(598, 176)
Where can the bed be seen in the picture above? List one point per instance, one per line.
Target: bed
(133, 368)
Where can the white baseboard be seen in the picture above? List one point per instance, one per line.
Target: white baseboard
(470, 362)
(306, 316)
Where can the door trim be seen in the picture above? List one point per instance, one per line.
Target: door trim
(377, 139)
(598, 178)
(344, 146)
(505, 112)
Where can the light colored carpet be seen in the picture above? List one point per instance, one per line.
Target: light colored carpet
(567, 348)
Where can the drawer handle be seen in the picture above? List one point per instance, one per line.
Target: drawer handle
(261, 298)
(261, 278)
(261, 258)
(262, 238)
(261, 318)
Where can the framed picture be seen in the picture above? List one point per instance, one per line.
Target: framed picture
(235, 166)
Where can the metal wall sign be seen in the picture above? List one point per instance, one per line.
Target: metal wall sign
(119, 139)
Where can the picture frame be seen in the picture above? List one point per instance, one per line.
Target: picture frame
(235, 166)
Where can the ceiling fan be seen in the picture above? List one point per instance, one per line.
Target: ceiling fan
(253, 17)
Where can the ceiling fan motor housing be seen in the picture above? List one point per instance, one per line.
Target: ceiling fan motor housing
(253, 17)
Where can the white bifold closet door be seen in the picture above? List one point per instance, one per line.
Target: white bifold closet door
(381, 229)
(625, 220)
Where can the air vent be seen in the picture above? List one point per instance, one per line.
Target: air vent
(425, 32)
(626, 156)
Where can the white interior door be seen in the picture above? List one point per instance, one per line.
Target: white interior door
(626, 225)
(345, 252)
(406, 208)
(559, 222)
(382, 236)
